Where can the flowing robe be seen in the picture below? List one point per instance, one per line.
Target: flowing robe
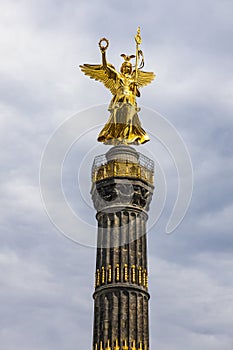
(123, 125)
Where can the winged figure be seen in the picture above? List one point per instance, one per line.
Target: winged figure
(123, 126)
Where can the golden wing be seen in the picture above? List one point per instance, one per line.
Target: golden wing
(144, 78)
(107, 75)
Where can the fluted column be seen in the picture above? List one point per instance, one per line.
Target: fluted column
(121, 196)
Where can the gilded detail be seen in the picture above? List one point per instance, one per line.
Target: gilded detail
(108, 347)
(133, 347)
(126, 275)
(117, 345)
(125, 347)
(117, 168)
(140, 275)
(117, 273)
(133, 274)
(123, 126)
(109, 273)
(146, 281)
(144, 277)
(97, 278)
(136, 275)
(103, 275)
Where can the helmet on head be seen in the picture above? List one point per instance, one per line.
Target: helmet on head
(127, 62)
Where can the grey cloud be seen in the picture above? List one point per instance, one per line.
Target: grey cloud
(47, 280)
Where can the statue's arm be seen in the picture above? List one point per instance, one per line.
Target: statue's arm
(104, 59)
(105, 72)
(103, 45)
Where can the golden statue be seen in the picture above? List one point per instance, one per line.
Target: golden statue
(123, 126)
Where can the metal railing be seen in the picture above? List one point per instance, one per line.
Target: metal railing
(123, 167)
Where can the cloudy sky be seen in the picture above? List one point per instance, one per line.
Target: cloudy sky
(46, 279)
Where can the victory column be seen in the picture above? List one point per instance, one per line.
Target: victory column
(122, 188)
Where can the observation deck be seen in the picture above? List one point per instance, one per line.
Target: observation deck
(121, 162)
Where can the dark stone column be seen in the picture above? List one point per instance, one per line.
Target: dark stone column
(121, 196)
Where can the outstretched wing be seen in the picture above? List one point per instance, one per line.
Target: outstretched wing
(107, 75)
(144, 78)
